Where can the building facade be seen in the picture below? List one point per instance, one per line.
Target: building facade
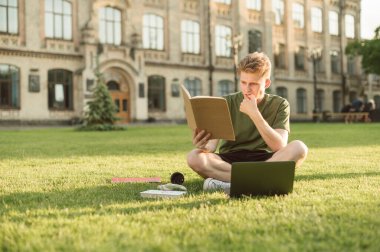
(50, 50)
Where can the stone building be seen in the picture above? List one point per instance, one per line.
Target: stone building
(49, 50)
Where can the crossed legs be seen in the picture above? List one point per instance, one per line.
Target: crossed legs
(210, 165)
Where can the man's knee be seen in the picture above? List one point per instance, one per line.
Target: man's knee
(194, 160)
(299, 148)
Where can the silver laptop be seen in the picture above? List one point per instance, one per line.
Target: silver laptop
(262, 178)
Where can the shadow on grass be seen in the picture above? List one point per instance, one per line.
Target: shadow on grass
(99, 200)
(327, 176)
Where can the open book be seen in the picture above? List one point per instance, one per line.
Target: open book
(208, 113)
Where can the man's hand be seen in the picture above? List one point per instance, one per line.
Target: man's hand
(249, 106)
(201, 139)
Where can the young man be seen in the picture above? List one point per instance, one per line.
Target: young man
(261, 125)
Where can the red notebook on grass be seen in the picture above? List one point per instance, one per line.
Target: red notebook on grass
(132, 180)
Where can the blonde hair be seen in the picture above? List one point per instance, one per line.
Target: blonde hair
(255, 63)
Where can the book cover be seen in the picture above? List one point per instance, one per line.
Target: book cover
(208, 113)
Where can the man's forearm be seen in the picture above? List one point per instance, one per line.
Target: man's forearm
(212, 144)
(272, 138)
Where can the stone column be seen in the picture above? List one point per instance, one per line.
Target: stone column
(289, 36)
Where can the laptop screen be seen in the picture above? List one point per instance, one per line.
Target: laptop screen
(262, 178)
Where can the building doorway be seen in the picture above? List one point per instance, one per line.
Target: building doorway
(121, 101)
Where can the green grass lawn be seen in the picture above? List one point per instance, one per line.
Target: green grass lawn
(56, 194)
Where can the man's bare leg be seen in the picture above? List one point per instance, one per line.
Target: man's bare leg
(293, 151)
(209, 165)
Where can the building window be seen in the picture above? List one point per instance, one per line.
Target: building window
(255, 41)
(9, 86)
(335, 62)
(9, 16)
(223, 35)
(113, 86)
(279, 57)
(320, 100)
(282, 91)
(350, 26)
(377, 101)
(352, 96)
(175, 88)
(333, 23)
(301, 101)
(253, 4)
(225, 87)
(337, 101)
(194, 86)
(299, 58)
(278, 9)
(351, 66)
(190, 36)
(319, 68)
(60, 85)
(228, 2)
(316, 19)
(298, 16)
(110, 26)
(153, 32)
(156, 93)
(58, 19)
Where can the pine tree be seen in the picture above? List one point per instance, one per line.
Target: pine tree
(101, 109)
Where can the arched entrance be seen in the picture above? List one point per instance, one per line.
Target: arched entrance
(118, 86)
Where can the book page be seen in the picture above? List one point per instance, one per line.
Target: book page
(188, 109)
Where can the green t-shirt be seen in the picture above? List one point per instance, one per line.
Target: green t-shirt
(274, 109)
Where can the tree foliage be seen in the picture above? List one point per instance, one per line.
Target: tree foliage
(101, 109)
(369, 50)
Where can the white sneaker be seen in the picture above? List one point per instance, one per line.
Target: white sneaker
(211, 184)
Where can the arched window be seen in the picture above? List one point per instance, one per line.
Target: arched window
(60, 89)
(9, 17)
(255, 41)
(282, 91)
(194, 86)
(225, 87)
(153, 32)
(58, 19)
(156, 93)
(9, 86)
(337, 101)
(113, 86)
(320, 100)
(301, 101)
(110, 26)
